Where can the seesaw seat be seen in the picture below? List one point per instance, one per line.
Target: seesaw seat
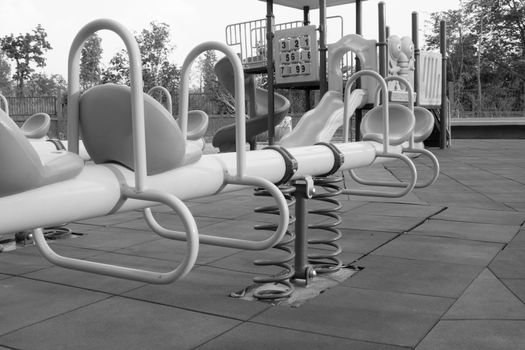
(21, 168)
(106, 127)
(424, 124)
(36, 126)
(401, 124)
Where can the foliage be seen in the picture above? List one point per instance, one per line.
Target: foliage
(210, 85)
(90, 72)
(26, 49)
(5, 76)
(486, 49)
(40, 84)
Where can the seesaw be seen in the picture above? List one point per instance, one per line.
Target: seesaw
(141, 159)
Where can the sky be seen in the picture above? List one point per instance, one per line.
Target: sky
(191, 21)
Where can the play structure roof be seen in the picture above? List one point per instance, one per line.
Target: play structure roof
(313, 4)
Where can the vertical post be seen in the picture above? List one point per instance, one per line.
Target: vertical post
(382, 39)
(306, 21)
(358, 30)
(415, 40)
(269, 70)
(387, 32)
(323, 84)
(444, 110)
(301, 241)
(306, 15)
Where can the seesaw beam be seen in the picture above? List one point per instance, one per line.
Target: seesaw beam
(96, 191)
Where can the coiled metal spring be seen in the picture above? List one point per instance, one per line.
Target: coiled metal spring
(326, 260)
(281, 279)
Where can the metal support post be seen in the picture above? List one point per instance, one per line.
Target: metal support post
(415, 40)
(304, 189)
(444, 109)
(323, 83)
(270, 70)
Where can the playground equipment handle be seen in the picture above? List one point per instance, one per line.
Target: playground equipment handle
(269, 242)
(346, 116)
(240, 122)
(411, 147)
(169, 103)
(137, 102)
(192, 246)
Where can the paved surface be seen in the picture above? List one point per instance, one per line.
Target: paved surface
(443, 268)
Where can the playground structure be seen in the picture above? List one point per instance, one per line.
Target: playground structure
(141, 158)
(299, 57)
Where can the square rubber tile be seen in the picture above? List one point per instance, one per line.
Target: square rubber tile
(84, 280)
(205, 289)
(378, 222)
(360, 314)
(467, 230)
(362, 241)
(496, 217)
(261, 337)
(25, 302)
(475, 335)
(509, 263)
(517, 286)
(109, 239)
(487, 298)
(120, 323)
(432, 278)
(167, 249)
(112, 219)
(169, 221)
(459, 199)
(440, 249)
(29, 259)
(397, 209)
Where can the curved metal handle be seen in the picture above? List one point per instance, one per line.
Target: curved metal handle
(191, 236)
(435, 165)
(137, 102)
(235, 242)
(169, 103)
(346, 117)
(410, 102)
(375, 193)
(240, 120)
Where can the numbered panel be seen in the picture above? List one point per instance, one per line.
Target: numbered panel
(296, 56)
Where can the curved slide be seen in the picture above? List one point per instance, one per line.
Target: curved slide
(321, 123)
(224, 138)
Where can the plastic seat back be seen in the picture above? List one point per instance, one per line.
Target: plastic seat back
(424, 124)
(106, 127)
(401, 124)
(36, 126)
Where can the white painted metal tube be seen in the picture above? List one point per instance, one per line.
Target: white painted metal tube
(137, 102)
(384, 88)
(238, 75)
(165, 92)
(96, 191)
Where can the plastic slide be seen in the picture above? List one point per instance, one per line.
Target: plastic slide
(321, 123)
(224, 138)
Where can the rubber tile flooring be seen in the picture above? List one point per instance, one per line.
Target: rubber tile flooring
(440, 268)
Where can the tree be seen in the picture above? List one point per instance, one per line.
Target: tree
(155, 48)
(40, 84)
(90, 72)
(26, 49)
(5, 76)
(210, 85)
(118, 70)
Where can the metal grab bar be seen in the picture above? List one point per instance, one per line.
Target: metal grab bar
(240, 178)
(139, 191)
(411, 146)
(168, 105)
(386, 153)
(192, 247)
(235, 242)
